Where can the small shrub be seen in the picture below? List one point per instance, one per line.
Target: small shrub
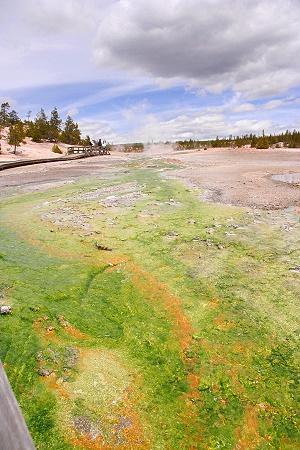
(56, 149)
(134, 148)
(262, 143)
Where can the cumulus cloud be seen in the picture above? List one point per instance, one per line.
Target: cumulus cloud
(202, 126)
(251, 47)
(211, 45)
(97, 129)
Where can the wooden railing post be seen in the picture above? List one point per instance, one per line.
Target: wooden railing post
(14, 434)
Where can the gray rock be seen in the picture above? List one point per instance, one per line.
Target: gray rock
(5, 310)
(295, 269)
(45, 371)
(172, 234)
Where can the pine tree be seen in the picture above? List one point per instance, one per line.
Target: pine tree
(253, 141)
(28, 116)
(35, 134)
(71, 132)
(262, 142)
(86, 141)
(216, 142)
(13, 117)
(16, 134)
(41, 127)
(30, 128)
(4, 114)
(54, 125)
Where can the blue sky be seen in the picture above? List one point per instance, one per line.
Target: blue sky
(140, 71)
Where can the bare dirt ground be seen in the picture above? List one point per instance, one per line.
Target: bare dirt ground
(241, 177)
(28, 150)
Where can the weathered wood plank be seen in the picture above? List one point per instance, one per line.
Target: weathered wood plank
(14, 434)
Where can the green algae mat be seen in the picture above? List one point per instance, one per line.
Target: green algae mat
(144, 318)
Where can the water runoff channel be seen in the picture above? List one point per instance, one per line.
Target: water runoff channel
(288, 177)
(293, 178)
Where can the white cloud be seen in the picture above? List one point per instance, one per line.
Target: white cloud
(9, 100)
(136, 110)
(273, 104)
(59, 16)
(245, 107)
(97, 129)
(241, 127)
(205, 125)
(214, 45)
(47, 42)
(289, 101)
(141, 70)
(73, 112)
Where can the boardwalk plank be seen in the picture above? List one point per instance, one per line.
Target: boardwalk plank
(14, 434)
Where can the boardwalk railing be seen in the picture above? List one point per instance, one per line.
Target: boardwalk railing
(82, 152)
(88, 150)
(14, 434)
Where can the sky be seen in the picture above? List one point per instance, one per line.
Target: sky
(154, 71)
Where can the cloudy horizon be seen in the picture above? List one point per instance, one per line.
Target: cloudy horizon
(139, 71)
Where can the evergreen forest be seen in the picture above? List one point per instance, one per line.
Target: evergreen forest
(53, 129)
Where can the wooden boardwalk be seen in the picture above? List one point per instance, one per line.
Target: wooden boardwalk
(88, 150)
(14, 434)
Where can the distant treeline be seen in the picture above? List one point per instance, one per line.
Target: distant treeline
(288, 139)
(41, 128)
(53, 129)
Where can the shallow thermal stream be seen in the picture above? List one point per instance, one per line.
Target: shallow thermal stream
(288, 177)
